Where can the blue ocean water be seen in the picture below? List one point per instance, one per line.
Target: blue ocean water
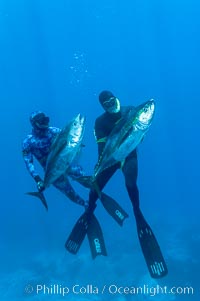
(57, 56)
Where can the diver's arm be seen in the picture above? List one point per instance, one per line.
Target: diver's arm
(54, 130)
(28, 159)
(100, 145)
(100, 140)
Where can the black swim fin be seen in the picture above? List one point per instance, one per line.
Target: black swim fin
(86, 225)
(113, 208)
(41, 196)
(78, 234)
(95, 237)
(150, 248)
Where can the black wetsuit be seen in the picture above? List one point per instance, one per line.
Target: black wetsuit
(149, 245)
(103, 127)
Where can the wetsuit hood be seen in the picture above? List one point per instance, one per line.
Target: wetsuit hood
(39, 122)
(105, 96)
(109, 102)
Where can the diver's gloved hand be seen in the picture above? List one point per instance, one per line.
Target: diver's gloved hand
(40, 183)
(76, 171)
(40, 186)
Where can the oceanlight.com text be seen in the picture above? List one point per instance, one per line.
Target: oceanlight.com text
(150, 290)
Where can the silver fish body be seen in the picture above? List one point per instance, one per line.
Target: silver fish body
(64, 150)
(126, 135)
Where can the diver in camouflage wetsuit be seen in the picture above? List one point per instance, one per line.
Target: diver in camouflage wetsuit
(38, 145)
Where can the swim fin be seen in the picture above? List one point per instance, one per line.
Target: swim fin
(113, 208)
(95, 237)
(41, 196)
(78, 234)
(150, 248)
(87, 225)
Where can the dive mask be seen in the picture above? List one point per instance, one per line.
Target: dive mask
(41, 121)
(112, 105)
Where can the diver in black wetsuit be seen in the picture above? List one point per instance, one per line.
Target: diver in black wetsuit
(103, 127)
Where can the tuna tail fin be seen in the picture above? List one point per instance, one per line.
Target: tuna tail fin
(41, 196)
(86, 181)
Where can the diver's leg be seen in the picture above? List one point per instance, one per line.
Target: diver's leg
(63, 184)
(130, 171)
(88, 224)
(149, 245)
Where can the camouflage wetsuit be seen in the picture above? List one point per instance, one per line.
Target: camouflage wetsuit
(103, 127)
(38, 146)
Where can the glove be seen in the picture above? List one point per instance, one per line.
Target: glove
(40, 186)
(76, 171)
(40, 183)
